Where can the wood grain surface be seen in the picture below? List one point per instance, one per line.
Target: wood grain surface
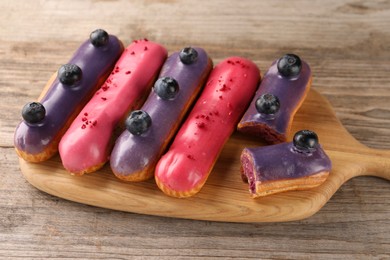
(347, 44)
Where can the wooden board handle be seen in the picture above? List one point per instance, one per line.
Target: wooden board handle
(377, 163)
(365, 161)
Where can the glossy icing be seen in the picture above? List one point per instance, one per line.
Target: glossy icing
(290, 91)
(86, 144)
(61, 101)
(282, 162)
(196, 147)
(134, 157)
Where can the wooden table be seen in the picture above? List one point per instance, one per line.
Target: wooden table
(347, 44)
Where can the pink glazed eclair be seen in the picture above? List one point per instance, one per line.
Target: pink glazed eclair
(87, 144)
(184, 169)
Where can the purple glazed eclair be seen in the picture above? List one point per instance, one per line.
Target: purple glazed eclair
(297, 165)
(37, 136)
(279, 96)
(150, 129)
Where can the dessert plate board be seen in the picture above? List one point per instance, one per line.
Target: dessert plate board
(225, 197)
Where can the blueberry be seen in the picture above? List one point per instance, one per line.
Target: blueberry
(33, 112)
(69, 74)
(267, 104)
(166, 88)
(289, 65)
(188, 55)
(99, 38)
(305, 140)
(138, 122)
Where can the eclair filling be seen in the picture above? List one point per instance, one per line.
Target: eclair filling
(247, 166)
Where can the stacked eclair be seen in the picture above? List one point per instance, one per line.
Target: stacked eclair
(151, 115)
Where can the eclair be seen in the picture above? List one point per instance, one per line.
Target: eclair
(44, 122)
(87, 144)
(281, 93)
(184, 169)
(150, 129)
(298, 165)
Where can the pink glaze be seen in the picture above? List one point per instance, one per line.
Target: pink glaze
(192, 155)
(87, 143)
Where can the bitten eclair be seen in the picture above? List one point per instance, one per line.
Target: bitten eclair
(298, 165)
(279, 96)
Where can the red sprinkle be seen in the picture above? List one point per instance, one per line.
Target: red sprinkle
(128, 72)
(104, 98)
(132, 53)
(224, 88)
(146, 48)
(220, 97)
(83, 127)
(85, 114)
(84, 119)
(189, 156)
(201, 125)
(145, 39)
(94, 123)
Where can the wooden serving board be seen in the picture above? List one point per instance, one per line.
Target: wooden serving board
(224, 197)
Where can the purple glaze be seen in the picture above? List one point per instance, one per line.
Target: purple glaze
(131, 153)
(288, 90)
(282, 161)
(60, 101)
